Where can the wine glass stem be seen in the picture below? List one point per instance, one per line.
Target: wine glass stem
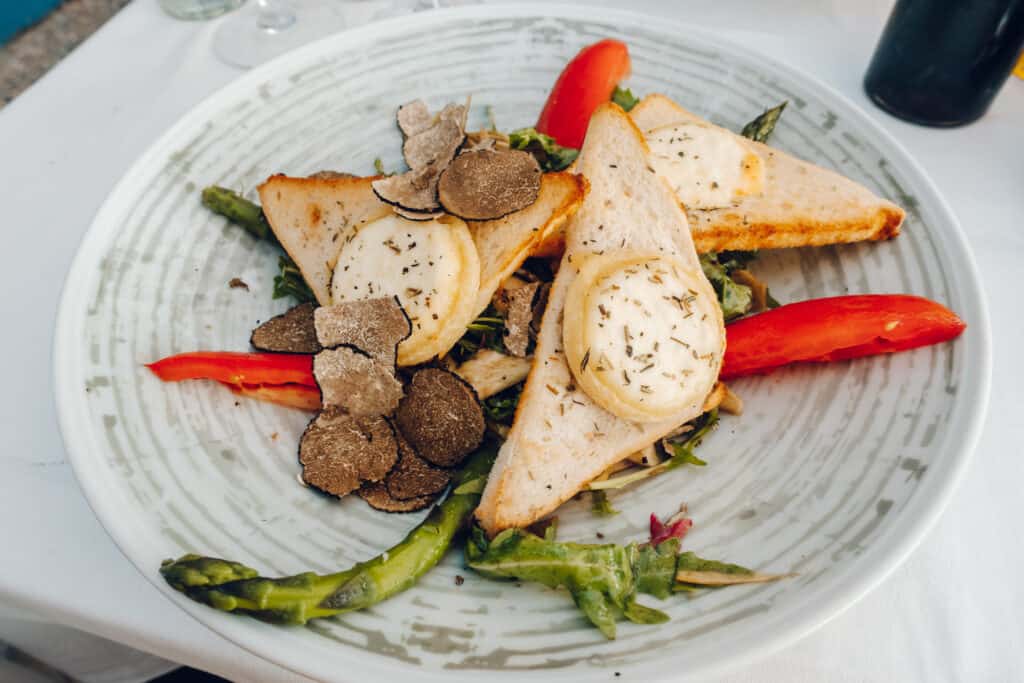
(274, 15)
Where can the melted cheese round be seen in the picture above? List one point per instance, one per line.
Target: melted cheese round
(431, 266)
(705, 166)
(643, 335)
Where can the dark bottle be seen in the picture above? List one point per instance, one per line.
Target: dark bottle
(941, 62)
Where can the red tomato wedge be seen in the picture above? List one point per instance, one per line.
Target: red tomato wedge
(237, 369)
(585, 83)
(837, 328)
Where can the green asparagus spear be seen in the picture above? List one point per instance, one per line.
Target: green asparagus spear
(231, 587)
(249, 216)
(239, 211)
(760, 128)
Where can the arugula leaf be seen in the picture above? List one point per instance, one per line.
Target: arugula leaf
(501, 407)
(624, 98)
(655, 567)
(482, 333)
(599, 577)
(691, 562)
(604, 580)
(682, 455)
(761, 127)
(734, 298)
(550, 155)
(289, 282)
(600, 505)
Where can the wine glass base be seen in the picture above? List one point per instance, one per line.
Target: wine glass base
(242, 41)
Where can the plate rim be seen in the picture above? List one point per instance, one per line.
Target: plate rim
(814, 610)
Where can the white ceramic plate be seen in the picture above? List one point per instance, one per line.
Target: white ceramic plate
(833, 472)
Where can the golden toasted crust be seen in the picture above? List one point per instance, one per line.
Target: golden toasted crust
(560, 438)
(801, 204)
(728, 231)
(313, 217)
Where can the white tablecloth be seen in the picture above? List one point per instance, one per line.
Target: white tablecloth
(954, 611)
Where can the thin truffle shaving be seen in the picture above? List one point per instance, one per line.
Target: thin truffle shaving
(488, 184)
(441, 417)
(374, 326)
(289, 332)
(519, 318)
(356, 383)
(339, 452)
(413, 477)
(428, 149)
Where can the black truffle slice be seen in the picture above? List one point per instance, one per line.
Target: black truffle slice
(374, 326)
(353, 381)
(441, 417)
(456, 113)
(339, 452)
(377, 496)
(414, 477)
(436, 145)
(417, 215)
(489, 184)
(290, 332)
(414, 190)
(414, 117)
(518, 318)
(428, 151)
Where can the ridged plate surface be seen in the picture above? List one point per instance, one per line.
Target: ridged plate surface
(833, 472)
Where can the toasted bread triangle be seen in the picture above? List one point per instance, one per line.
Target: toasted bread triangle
(561, 439)
(503, 244)
(802, 205)
(313, 218)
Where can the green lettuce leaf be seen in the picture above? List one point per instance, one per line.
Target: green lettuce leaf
(550, 155)
(624, 98)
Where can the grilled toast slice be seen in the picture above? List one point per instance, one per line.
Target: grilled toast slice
(314, 217)
(801, 204)
(561, 438)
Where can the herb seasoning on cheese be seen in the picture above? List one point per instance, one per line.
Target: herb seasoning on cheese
(431, 266)
(705, 166)
(642, 335)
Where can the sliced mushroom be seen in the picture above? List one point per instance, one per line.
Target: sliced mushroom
(414, 117)
(378, 497)
(441, 417)
(489, 184)
(290, 332)
(339, 452)
(490, 372)
(353, 381)
(519, 317)
(412, 476)
(374, 326)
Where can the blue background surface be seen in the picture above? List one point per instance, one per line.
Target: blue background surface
(17, 14)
